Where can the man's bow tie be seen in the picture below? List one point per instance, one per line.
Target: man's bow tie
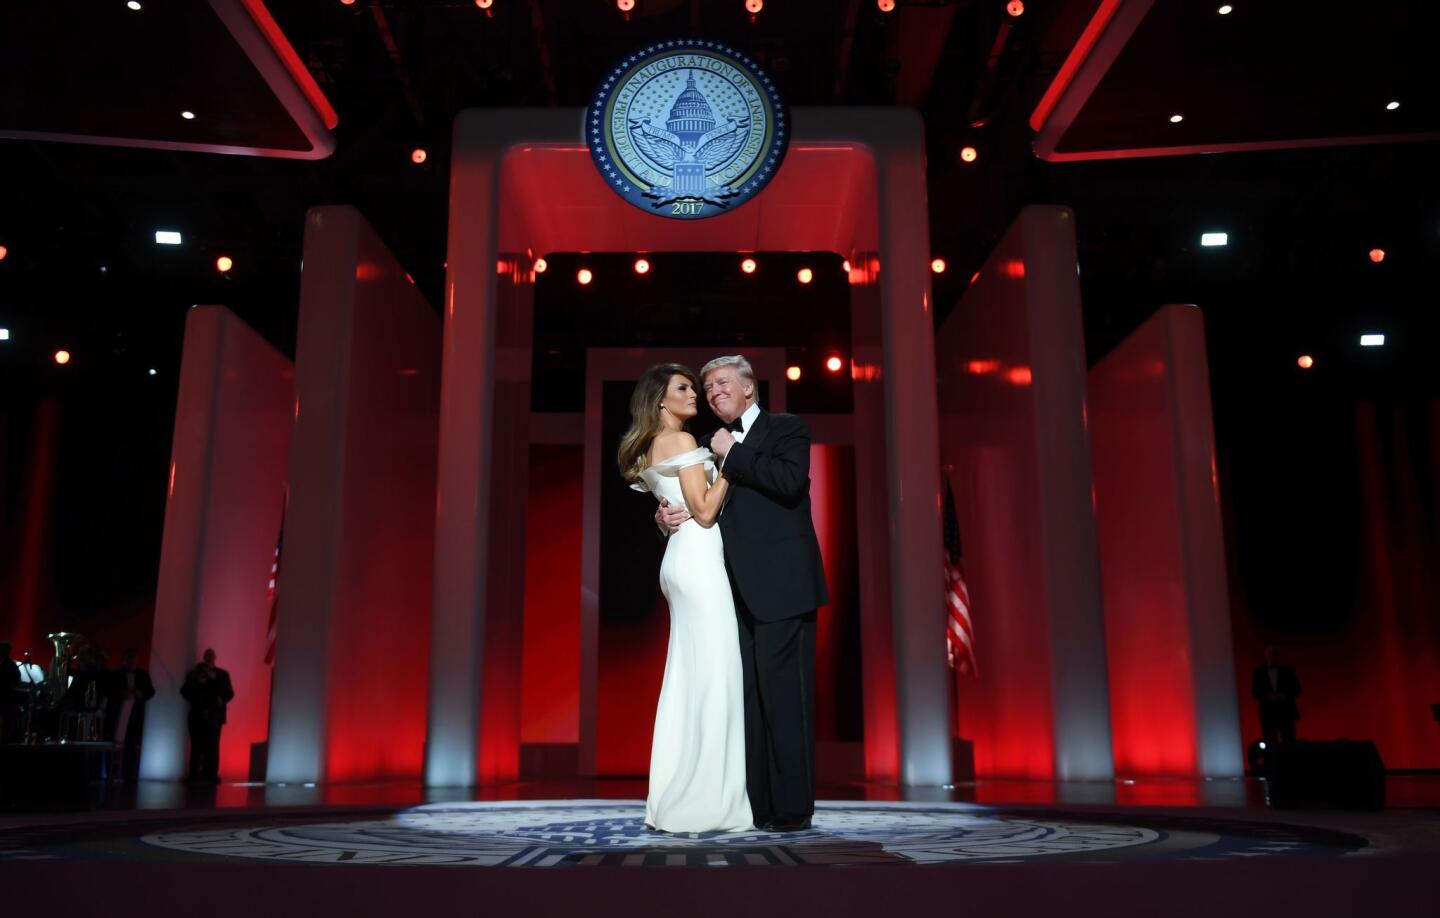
(736, 426)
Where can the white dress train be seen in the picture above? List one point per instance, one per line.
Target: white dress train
(697, 758)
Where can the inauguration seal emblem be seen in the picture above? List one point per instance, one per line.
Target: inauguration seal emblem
(687, 129)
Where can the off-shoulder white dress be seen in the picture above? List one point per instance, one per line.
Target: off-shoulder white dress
(697, 758)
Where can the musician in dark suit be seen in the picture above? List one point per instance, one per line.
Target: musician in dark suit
(129, 688)
(1276, 687)
(778, 582)
(208, 689)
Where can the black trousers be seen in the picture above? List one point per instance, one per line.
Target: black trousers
(204, 749)
(779, 668)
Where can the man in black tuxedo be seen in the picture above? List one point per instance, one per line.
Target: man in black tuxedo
(778, 581)
(207, 688)
(130, 687)
(1276, 687)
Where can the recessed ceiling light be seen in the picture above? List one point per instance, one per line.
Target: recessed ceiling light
(4, 334)
(188, 115)
(167, 237)
(134, 5)
(1214, 239)
(1373, 340)
(152, 371)
(1392, 106)
(1226, 10)
(1176, 119)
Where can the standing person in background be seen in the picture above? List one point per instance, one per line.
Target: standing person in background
(208, 689)
(130, 688)
(1276, 687)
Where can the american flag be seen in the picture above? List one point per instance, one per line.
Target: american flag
(959, 630)
(272, 596)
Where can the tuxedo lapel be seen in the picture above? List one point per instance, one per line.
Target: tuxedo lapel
(758, 430)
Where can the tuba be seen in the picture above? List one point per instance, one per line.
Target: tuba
(59, 679)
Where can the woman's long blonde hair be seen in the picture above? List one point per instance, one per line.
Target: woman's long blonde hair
(645, 423)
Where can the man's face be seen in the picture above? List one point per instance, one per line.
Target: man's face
(727, 393)
(209, 658)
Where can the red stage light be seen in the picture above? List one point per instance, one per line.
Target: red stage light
(584, 276)
(3, 252)
(1015, 8)
(642, 266)
(1020, 376)
(748, 265)
(540, 266)
(792, 373)
(834, 364)
(347, 2)
(1306, 361)
(484, 4)
(224, 263)
(754, 6)
(885, 5)
(625, 6)
(62, 357)
(1377, 255)
(417, 155)
(969, 154)
(937, 265)
(804, 275)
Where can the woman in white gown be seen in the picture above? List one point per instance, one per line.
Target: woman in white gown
(697, 757)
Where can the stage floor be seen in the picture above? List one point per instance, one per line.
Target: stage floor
(530, 849)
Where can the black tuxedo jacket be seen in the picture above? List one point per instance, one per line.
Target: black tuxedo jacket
(770, 544)
(1289, 690)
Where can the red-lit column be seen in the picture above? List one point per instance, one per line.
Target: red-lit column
(222, 517)
(1162, 551)
(1011, 362)
(354, 615)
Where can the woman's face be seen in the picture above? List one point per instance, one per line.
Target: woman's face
(680, 397)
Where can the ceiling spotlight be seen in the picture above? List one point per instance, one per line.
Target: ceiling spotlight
(834, 364)
(167, 237)
(62, 357)
(886, 6)
(792, 373)
(418, 155)
(4, 334)
(1306, 361)
(3, 252)
(1372, 340)
(1226, 10)
(625, 6)
(188, 115)
(642, 266)
(748, 265)
(151, 372)
(540, 266)
(1015, 8)
(224, 263)
(134, 5)
(584, 276)
(937, 265)
(484, 4)
(804, 275)
(1377, 255)
(1210, 240)
(1176, 118)
(1391, 106)
(347, 2)
(754, 6)
(969, 154)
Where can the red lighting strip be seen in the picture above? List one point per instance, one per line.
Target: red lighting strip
(271, 30)
(1073, 62)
